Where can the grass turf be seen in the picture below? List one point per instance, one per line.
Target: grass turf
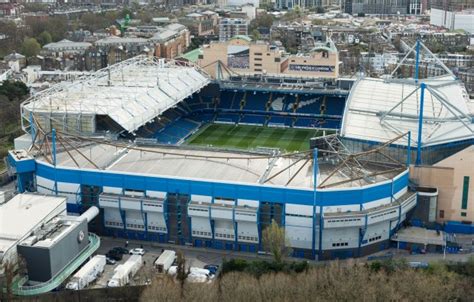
(249, 137)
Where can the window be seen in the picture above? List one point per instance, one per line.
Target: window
(258, 64)
(277, 59)
(258, 53)
(258, 59)
(463, 214)
(441, 213)
(465, 193)
(257, 69)
(200, 57)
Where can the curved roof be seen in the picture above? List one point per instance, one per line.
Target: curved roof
(378, 110)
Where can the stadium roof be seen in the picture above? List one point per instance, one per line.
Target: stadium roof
(379, 109)
(131, 93)
(186, 162)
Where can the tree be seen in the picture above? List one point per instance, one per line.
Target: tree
(45, 38)
(274, 241)
(181, 273)
(255, 35)
(30, 47)
(262, 21)
(8, 268)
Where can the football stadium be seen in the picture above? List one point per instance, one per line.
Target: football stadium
(171, 156)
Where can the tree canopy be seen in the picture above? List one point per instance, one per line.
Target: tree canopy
(30, 47)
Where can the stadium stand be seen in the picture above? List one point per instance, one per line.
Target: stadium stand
(233, 106)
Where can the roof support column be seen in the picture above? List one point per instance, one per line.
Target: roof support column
(420, 124)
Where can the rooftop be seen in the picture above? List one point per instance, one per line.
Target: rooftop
(379, 109)
(66, 44)
(131, 92)
(25, 212)
(178, 162)
(120, 40)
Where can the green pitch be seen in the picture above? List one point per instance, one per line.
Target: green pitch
(249, 137)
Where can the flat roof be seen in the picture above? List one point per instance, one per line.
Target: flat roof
(23, 213)
(420, 236)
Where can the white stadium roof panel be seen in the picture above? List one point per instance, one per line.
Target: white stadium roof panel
(379, 110)
(131, 93)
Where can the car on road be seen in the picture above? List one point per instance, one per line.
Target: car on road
(110, 261)
(137, 251)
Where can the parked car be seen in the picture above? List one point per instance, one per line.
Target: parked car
(110, 261)
(113, 254)
(137, 251)
(212, 268)
(120, 250)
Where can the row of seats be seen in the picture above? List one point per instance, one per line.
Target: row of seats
(270, 102)
(176, 131)
(305, 110)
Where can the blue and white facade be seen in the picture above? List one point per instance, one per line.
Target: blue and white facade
(319, 224)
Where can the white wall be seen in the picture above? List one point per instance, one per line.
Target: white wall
(452, 20)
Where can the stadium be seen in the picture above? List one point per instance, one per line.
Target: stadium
(171, 156)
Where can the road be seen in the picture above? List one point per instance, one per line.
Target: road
(197, 256)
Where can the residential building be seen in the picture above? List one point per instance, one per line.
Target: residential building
(230, 27)
(65, 47)
(172, 41)
(377, 7)
(201, 24)
(453, 14)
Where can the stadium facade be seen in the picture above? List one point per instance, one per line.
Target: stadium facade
(149, 184)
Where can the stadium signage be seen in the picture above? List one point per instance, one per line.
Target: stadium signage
(311, 68)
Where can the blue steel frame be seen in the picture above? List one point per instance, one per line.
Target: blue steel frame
(420, 124)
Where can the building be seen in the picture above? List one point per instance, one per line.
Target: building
(118, 49)
(453, 14)
(243, 56)
(201, 24)
(378, 7)
(451, 180)
(64, 48)
(467, 76)
(53, 245)
(15, 61)
(379, 63)
(172, 41)
(10, 9)
(230, 27)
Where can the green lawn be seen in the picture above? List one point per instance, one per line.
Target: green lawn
(249, 137)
